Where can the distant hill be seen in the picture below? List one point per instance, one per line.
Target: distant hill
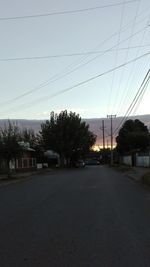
(23, 123)
(95, 125)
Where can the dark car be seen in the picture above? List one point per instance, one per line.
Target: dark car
(92, 162)
(79, 163)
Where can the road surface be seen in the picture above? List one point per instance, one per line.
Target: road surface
(93, 216)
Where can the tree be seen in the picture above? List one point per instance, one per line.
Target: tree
(28, 136)
(133, 136)
(9, 143)
(67, 135)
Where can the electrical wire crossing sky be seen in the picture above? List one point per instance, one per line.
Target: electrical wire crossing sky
(90, 58)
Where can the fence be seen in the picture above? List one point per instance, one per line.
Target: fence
(140, 161)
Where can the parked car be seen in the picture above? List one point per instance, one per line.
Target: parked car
(92, 162)
(79, 163)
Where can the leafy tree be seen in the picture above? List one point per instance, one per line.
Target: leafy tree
(67, 135)
(9, 146)
(132, 136)
(28, 136)
(35, 142)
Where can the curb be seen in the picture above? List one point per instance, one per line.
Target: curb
(15, 180)
(20, 178)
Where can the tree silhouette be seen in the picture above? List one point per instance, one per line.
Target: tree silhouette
(133, 136)
(66, 134)
(9, 143)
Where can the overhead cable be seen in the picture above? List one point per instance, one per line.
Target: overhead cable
(135, 100)
(85, 81)
(65, 12)
(59, 76)
(56, 77)
(72, 54)
(116, 56)
(118, 91)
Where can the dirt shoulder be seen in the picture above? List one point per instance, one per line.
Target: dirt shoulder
(138, 174)
(18, 177)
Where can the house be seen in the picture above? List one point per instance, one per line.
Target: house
(27, 161)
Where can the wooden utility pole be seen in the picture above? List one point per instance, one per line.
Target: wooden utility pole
(107, 144)
(103, 134)
(111, 136)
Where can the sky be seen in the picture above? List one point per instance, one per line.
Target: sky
(89, 57)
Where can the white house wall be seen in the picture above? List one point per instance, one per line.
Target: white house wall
(142, 161)
(127, 160)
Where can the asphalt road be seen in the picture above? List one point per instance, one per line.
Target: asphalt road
(93, 216)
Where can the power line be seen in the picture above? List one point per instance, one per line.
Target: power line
(127, 51)
(55, 77)
(116, 54)
(97, 76)
(134, 101)
(72, 54)
(142, 94)
(65, 12)
(130, 76)
(87, 81)
(139, 94)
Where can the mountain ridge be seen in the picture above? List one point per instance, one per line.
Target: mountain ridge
(95, 125)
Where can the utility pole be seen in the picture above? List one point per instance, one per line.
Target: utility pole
(103, 134)
(111, 136)
(107, 143)
(103, 131)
